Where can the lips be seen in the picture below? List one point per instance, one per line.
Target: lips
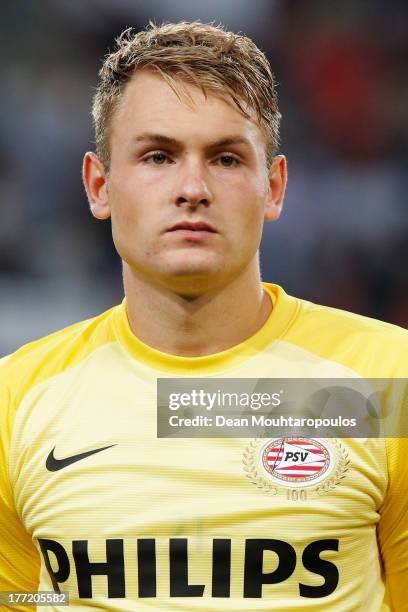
(199, 226)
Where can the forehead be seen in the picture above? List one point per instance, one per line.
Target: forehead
(148, 102)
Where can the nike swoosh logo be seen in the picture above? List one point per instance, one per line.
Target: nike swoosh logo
(53, 464)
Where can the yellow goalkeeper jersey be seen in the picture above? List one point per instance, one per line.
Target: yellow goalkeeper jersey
(92, 502)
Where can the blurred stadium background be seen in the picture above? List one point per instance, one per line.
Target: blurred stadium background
(343, 88)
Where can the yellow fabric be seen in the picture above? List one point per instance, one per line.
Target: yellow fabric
(93, 385)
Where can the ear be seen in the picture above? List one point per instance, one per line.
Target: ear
(95, 182)
(277, 184)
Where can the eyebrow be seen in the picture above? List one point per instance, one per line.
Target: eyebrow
(166, 140)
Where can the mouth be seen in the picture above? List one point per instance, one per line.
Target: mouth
(192, 232)
(198, 226)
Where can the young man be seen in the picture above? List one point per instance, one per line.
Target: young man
(92, 501)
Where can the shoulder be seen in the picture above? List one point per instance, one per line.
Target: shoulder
(350, 322)
(50, 355)
(373, 347)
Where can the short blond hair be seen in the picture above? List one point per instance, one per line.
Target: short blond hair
(200, 54)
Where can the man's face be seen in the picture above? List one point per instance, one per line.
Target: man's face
(175, 166)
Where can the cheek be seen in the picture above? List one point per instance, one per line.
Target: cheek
(125, 231)
(252, 205)
(122, 225)
(134, 230)
(250, 215)
(125, 206)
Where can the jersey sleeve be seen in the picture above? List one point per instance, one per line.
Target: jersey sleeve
(393, 525)
(19, 558)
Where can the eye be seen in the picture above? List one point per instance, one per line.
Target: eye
(228, 161)
(157, 159)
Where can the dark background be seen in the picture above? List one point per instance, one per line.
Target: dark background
(343, 89)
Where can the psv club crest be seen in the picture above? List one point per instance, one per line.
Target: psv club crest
(315, 465)
(297, 461)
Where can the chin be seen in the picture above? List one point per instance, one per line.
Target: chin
(191, 280)
(191, 275)
(189, 267)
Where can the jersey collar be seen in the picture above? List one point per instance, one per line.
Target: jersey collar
(284, 311)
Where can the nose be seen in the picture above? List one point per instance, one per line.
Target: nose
(192, 187)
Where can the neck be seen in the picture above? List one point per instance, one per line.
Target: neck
(192, 327)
